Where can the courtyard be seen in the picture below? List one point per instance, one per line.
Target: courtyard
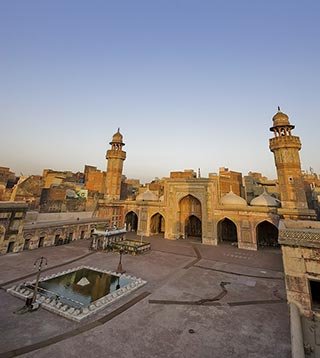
(199, 301)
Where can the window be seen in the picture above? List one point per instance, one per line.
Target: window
(26, 244)
(57, 239)
(41, 241)
(10, 247)
(70, 237)
(315, 294)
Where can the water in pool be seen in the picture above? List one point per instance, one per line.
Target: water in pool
(81, 287)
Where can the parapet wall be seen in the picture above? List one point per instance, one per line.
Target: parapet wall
(34, 216)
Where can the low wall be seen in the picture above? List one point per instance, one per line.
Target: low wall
(47, 217)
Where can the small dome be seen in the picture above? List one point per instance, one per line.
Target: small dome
(147, 196)
(280, 119)
(265, 200)
(232, 199)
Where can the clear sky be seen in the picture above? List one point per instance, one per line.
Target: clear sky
(191, 83)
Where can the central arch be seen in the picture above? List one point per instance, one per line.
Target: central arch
(157, 224)
(227, 231)
(131, 221)
(190, 217)
(193, 227)
(267, 235)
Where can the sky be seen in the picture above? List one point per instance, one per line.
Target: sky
(191, 83)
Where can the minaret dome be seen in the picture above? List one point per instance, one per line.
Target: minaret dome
(117, 138)
(281, 124)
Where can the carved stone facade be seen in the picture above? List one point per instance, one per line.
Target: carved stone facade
(300, 242)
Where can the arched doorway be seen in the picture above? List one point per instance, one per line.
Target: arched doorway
(193, 227)
(227, 231)
(131, 221)
(157, 225)
(267, 235)
(190, 217)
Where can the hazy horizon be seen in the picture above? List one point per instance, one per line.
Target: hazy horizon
(192, 84)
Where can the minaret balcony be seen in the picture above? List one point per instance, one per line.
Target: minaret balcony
(116, 154)
(284, 142)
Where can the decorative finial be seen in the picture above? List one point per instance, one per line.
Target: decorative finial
(199, 174)
(118, 129)
(279, 109)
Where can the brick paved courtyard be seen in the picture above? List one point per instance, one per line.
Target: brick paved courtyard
(200, 301)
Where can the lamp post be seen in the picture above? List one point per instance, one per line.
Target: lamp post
(38, 263)
(120, 269)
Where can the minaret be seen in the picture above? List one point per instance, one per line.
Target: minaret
(285, 148)
(115, 157)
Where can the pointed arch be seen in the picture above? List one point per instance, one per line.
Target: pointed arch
(191, 205)
(193, 227)
(157, 224)
(131, 220)
(227, 231)
(190, 216)
(27, 237)
(267, 234)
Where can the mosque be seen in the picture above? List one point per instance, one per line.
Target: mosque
(187, 206)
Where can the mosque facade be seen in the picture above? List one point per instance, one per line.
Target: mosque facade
(188, 206)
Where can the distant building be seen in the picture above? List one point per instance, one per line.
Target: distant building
(7, 180)
(255, 184)
(7, 177)
(28, 189)
(230, 180)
